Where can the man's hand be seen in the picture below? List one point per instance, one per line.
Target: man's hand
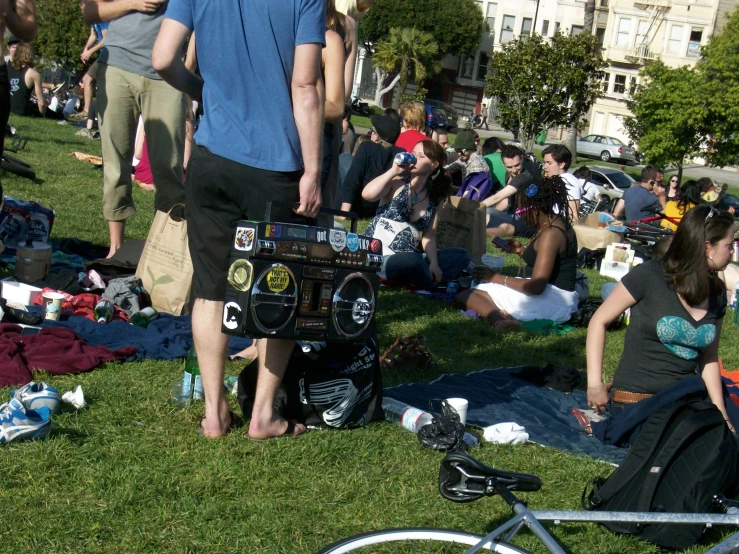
(310, 196)
(147, 6)
(85, 55)
(436, 273)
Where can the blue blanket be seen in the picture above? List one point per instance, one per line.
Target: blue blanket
(496, 397)
(166, 338)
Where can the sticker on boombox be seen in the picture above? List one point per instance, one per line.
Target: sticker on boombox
(352, 241)
(244, 240)
(278, 279)
(231, 315)
(337, 239)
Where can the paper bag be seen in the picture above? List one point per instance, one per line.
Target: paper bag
(618, 261)
(461, 223)
(165, 268)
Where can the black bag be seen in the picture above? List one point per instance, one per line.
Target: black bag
(326, 384)
(683, 456)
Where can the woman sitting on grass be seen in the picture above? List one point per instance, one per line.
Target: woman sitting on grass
(677, 309)
(689, 197)
(408, 198)
(550, 258)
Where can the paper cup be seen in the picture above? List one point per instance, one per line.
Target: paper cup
(459, 404)
(495, 263)
(182, 393)
(52, 305)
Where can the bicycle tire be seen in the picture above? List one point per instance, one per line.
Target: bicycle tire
(18, 167)
(422, 537)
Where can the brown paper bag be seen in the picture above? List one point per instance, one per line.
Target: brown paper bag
(165, 268)
(461, 223)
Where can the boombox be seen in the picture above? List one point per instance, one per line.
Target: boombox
(301, 282)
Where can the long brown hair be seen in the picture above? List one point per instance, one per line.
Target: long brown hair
(335, 20)
(439, 182)
(23, 56)
(685, 264)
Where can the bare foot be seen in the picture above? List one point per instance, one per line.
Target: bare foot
(217, 427)
(274, 428)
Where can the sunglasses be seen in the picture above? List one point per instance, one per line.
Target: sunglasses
(673, 180)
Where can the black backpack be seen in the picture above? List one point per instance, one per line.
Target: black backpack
(683, 456)
(326, 384)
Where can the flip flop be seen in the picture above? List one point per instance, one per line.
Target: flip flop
(288, 434)
(234, 423)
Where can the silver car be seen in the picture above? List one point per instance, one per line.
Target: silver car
(609, 185)
(605, 148)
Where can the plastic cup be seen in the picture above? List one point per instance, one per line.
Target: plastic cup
(459, 404)
(181, 393)
(52, 305)
(495, 263)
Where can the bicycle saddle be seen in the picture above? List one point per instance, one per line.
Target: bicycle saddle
(462, 478)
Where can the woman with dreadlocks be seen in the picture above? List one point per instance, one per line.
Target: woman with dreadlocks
(550, 259)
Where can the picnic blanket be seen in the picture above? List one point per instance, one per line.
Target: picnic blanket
(495, 396)
(166, 338)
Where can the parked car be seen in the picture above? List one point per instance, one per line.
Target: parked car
(605, 148)
(611, 184)
(450, 113)
(435, 117)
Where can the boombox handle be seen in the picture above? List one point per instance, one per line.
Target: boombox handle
(351, 215)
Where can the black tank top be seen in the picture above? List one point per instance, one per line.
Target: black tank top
(564, 272)
(20, 94)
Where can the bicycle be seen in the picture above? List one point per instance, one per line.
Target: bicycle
(462, 478)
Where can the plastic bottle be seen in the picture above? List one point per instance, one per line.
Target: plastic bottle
(192, 374)
(407, 416)
(103, 311)
(142, 318)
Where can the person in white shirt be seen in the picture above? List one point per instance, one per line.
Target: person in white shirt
(557, 159)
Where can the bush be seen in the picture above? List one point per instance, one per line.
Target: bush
(61, 34)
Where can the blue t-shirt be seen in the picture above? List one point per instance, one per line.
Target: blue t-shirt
(640, 203)
(99, 28)
(246, 52)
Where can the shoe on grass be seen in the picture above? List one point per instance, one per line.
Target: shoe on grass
(37, 395)
(19, 424)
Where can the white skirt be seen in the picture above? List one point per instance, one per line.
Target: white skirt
(554, 303)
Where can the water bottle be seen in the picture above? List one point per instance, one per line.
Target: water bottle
(103, 311)
(142, 318)
(192, 375)
(407, 416)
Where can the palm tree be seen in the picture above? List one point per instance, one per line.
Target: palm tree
(408, 52)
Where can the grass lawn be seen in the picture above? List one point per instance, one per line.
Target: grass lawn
(129, 473)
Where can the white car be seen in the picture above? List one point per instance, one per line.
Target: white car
(610, 184)
(605, 148)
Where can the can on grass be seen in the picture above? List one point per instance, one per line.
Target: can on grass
(452, 288)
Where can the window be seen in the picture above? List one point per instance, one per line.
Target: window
(545, 28)
(600, 34)
(619, 84)
(492, 12)
(676, 38)
(694, 46)
(556, 27)
(603, 3)
(576, 30)
(624, 32)
(641, 32)
(482, 66)
(526, 27)
(606, 80)
(506, 32)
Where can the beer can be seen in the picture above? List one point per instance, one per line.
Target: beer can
(404, 159)
(452, 288)
(735, 253)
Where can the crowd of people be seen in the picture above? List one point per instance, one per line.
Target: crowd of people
(266, 135)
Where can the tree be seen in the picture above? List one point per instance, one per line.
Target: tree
(541, 84)
(405, 52)
(669, 115)
(456, 27)
(61, 33)
(720, 84)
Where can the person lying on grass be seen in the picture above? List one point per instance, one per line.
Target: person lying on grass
(408, 198)
(550, 259)
(677, 308)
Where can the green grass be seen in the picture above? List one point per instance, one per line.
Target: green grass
(129, 473)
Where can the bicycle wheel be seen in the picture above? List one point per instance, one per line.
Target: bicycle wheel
(415, 540)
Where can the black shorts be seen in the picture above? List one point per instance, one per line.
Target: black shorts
(220, 192)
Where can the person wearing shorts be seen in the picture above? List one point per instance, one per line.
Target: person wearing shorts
(239, 162)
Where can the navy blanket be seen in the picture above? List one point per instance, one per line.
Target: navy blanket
(496, 397)
(166, 338)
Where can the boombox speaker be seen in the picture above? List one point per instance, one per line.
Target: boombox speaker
(301, 282)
